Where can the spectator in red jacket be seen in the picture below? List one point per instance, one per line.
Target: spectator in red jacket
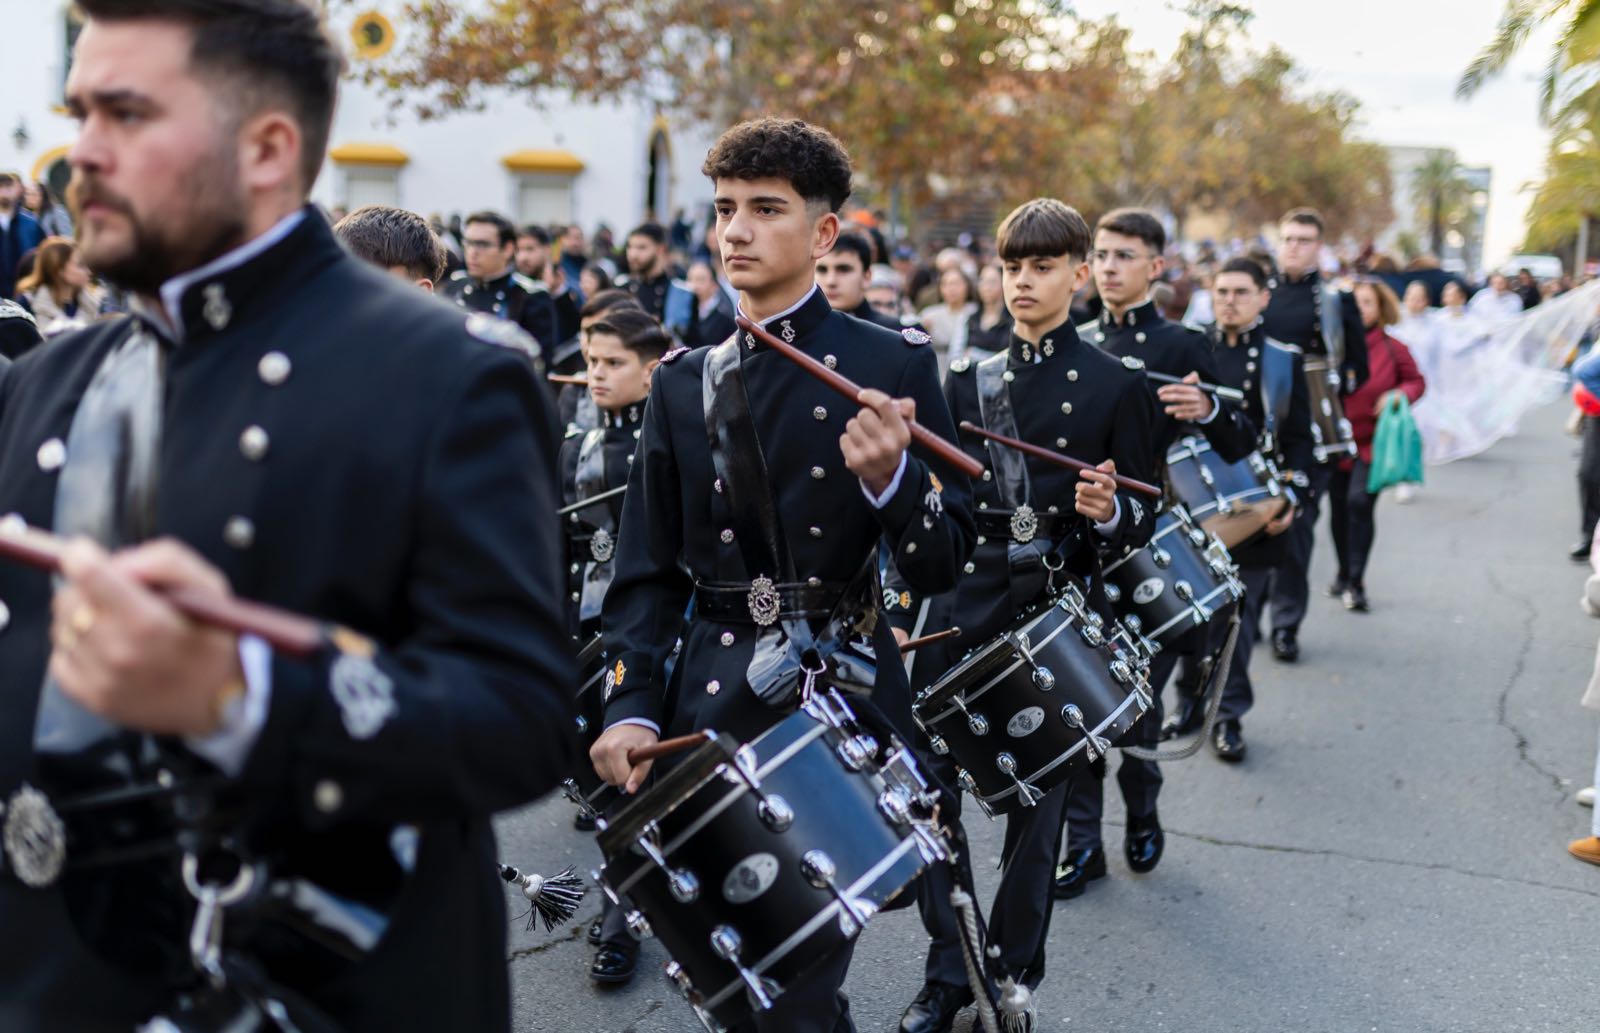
(1390, 368)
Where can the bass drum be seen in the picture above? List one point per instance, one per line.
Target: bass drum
(1180, 582)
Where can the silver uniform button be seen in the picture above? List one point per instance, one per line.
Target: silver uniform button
(727, 638)
(328, 796)
(816, 532)
(51, 455)
(819, 413)
(1008, 376)
(1061, 442)
(814, 582)
(911, 547)
(713, 687)
(727, 536)
(1250, 367)
(5, 616)
(1072, 374)
(830, 361)
(1100, 337)
(239, 532)
(254, 443)
(1255, 352)
(1247, 385)
(988, 476)
(575, 568)
(576, 596)
(970, 567)
(274, 368)
(716, 485)
(1139, 337)
(982, 540)
(817, 473)
(1066, 408)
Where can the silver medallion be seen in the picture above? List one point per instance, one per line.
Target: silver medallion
(35, 839)
(602, 545)
(764, 602)
(1024, 524)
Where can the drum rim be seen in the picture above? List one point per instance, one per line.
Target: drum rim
(989, 648)
(1132, 699)
(1265, 492)
(1185, 523)
(1226, 586)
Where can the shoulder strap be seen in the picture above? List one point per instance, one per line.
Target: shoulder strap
(736, 456)
(1277, 384)
(994, 404)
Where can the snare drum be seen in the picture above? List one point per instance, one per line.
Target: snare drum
(585, 787)
(1043, 700)
(1234, 501)
(1177, 583)
(1331, 434)
(754, 863)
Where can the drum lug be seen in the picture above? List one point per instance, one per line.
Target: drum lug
(1121, 671)
(1094, 746)
(937, 744)
(639, 925)
(857, 751)
(679, 978)
(1029, 796)
(1198, 537)
(894, 804)
(570, 790)
(1113, 594)
(1043, 679)
(775, 813)
(726, 944)
(977, 724)
(684, 886)
(1092, 636)
(817, 868)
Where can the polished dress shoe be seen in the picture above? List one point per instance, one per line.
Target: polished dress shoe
(1355, 599)
(1337, 587)
(1228, 741)
(935, 1008)
(1077, 870)
(614, 963)
(1144, 843)
(1285, 646)
(1580, 553)
(1187, 718)
(1586, 849)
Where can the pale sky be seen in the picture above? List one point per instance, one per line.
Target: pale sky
(1401, 59)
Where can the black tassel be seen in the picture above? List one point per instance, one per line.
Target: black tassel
(555, 898)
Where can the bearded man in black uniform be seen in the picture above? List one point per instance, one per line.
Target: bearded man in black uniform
(1127, 260)
(279, 420)
(778, 185)
(491, 283)
(1068, 396)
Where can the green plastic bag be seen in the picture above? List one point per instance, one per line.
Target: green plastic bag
(1396, 446)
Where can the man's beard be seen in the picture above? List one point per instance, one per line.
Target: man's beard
(208, 222)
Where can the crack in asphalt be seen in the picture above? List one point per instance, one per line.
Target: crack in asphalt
(580, 927)
(1274, 848)
(1518, 667)
(633, 1024)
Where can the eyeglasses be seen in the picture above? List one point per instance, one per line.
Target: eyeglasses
(1302, 240)
(1119, 257)
(481, 245)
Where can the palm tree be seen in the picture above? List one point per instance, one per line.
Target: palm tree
(1438, 191)
(1577, 47)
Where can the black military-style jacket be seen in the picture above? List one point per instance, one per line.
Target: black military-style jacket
(677, 527)
(1246, 364)
(593, 461)
(1176, 350)
(867, 312)
(651, 294)
(1294, 316)
(344, 446)
(521, 299)
(1071, 397)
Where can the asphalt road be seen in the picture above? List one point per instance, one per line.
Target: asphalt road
(1390, 857)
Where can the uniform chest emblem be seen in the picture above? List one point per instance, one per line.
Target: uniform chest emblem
(1024, 524)
(915, 337)
(217, 311)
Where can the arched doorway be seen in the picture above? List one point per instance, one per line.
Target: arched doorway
(658, 185)
(53, 171)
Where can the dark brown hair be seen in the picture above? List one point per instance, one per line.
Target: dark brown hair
(50, 258)
(1042, 228)
(1250, 267)
(390, 237)
(637, 329)
(1305, 217)
(1136, 223)
(808, 157)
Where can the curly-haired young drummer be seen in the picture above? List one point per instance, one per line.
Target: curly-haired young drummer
(1069, 396)
(811, 513)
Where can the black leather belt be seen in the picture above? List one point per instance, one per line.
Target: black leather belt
(763, 602)
(1024, 524)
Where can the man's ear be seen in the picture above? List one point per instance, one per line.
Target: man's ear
(1081, 277)
(425, 283)
(824, 236)
(269, 153)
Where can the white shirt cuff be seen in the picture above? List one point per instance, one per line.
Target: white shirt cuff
(879, 501)
(1216, 407)
(640, 721)
(1109, 528)
(229, 746)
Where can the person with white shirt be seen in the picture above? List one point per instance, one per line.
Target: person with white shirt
(1495, 302)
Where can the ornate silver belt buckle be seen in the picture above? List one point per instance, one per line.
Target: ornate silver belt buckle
(764, 602)
(1024, 525)
(602, 545)
(34, 838)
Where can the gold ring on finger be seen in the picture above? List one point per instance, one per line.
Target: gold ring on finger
(82, 619)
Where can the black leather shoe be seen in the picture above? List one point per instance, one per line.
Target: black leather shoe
(1144, 843)
(583, 821)
(594, 932)
(1336, 589)
(1228, 741)
(1077, 870)
(1355, 598)
(1580, 553)
(1285, 646)
(935, 1008)
(614, 963)
(1187, 718)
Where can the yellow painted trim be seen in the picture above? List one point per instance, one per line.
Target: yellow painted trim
(45, 160)
(386, 154)
(543, 161)
(369, 51)
(659, 125)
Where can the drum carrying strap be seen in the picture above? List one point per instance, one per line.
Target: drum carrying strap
(590, 481)
(994, 403)
(1277, 384)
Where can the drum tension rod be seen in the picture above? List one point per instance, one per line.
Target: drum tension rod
(1043, 678)
(819, 870)
(1094, 746)
(726, 944)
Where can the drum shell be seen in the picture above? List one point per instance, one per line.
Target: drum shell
(715, 831)
(1331, 433)
(1141, 586)
(1024, 720)
(1240, 499)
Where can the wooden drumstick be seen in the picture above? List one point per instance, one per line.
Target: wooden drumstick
(1130, 483)
(562, 378)
(912, 645)
(666, 748)
(945, 450)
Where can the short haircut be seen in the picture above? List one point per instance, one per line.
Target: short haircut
(502, 225)
(1249, 267)
(390, 237)
(1304, 217)
(637, 329)
(270, 52)
(857, 245)
(1388, 304)
(808, 157)
(1137, 223)
(652, 230)
(536, 232)
(606, 300)
(8, 178)
(1042, 228)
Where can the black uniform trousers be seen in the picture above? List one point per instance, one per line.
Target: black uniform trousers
(1238, 696)
(1140, 780)
(1290, 590)
(1351, 509)
(1589, 479)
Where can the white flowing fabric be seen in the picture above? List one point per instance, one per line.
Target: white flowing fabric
(1483, 375)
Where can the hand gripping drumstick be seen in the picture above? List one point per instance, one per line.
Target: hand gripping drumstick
(1131, 484)
(1226, 393)
(287, 633)
(666, 747)
(945, 450)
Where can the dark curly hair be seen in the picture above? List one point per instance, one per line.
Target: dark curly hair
(809, 157)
